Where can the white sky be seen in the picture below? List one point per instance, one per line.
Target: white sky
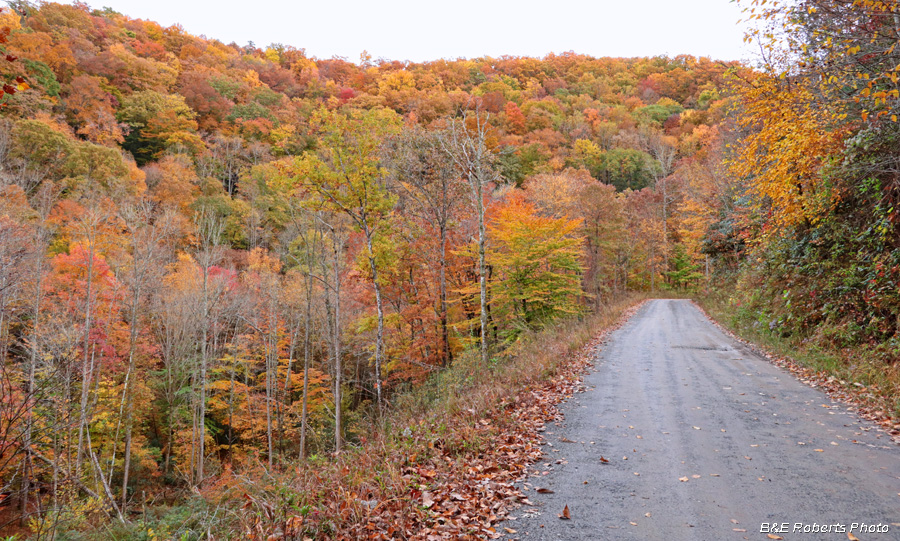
(423, 30)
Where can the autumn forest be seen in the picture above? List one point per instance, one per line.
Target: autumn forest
(245, 291)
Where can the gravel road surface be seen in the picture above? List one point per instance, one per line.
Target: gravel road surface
(705, 440)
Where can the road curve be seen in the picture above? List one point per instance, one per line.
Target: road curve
(705, 439)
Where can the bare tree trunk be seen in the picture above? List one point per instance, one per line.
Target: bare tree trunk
(32, 369)
(271, 374)
(468, 149)
(285, 402)
(87, 373)
(128, 397)
(445, 334)
(200, 421)
(336, 343)
(482, 276)
(307, 322)
(379, 333)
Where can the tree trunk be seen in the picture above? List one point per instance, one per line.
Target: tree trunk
(32, 369)
(336, 343)
(307, 322)
(482, 272)
(87, 374)
(129, 397)
(200, 421)
(379, 333)
(445, 335)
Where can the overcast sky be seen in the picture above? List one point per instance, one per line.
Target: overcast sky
(428, 30)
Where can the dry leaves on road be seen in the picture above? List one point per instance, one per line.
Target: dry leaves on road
(869, 402)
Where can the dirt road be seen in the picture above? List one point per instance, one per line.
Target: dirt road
(705, 439)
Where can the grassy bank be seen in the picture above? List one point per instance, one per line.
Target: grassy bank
(443, 461)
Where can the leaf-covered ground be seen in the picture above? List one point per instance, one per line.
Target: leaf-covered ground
(469, 499)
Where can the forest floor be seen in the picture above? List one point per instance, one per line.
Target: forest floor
(683, 432)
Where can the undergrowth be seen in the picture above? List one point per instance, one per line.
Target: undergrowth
(438, 430)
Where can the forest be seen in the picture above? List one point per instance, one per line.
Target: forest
(220, 262)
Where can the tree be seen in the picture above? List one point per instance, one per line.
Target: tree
(426, 178)
(148, 231)
(790, 136)
(537, 266)
(347, 175)
(91, 111)
(469, 143)
(213, 286)
(684, 271)
(157, 121)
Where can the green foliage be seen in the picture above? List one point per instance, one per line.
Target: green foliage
(226, 87)
(684, 273)
(659, 112)
(250, 111)
(157, 121)
(41, 146)
(42, 73)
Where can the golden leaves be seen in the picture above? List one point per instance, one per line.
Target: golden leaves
(790, 137)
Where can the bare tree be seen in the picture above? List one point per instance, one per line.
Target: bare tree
(465, 141)
(209, 252)
(148, 229)
(430, 187)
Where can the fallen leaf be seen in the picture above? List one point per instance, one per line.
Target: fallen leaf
(683, 479)
(733, 521)
(852, 537)
(695, 476)
(633, 523)
(427, 501)
(738, 530)
(544, 491)
(510, 530)
(603, 460)
(696, 428)
(819, 450)
(565, 514)
(773, 536)
(647, 515)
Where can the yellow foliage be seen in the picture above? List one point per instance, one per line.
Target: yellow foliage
(790, 138)
(10, 19)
